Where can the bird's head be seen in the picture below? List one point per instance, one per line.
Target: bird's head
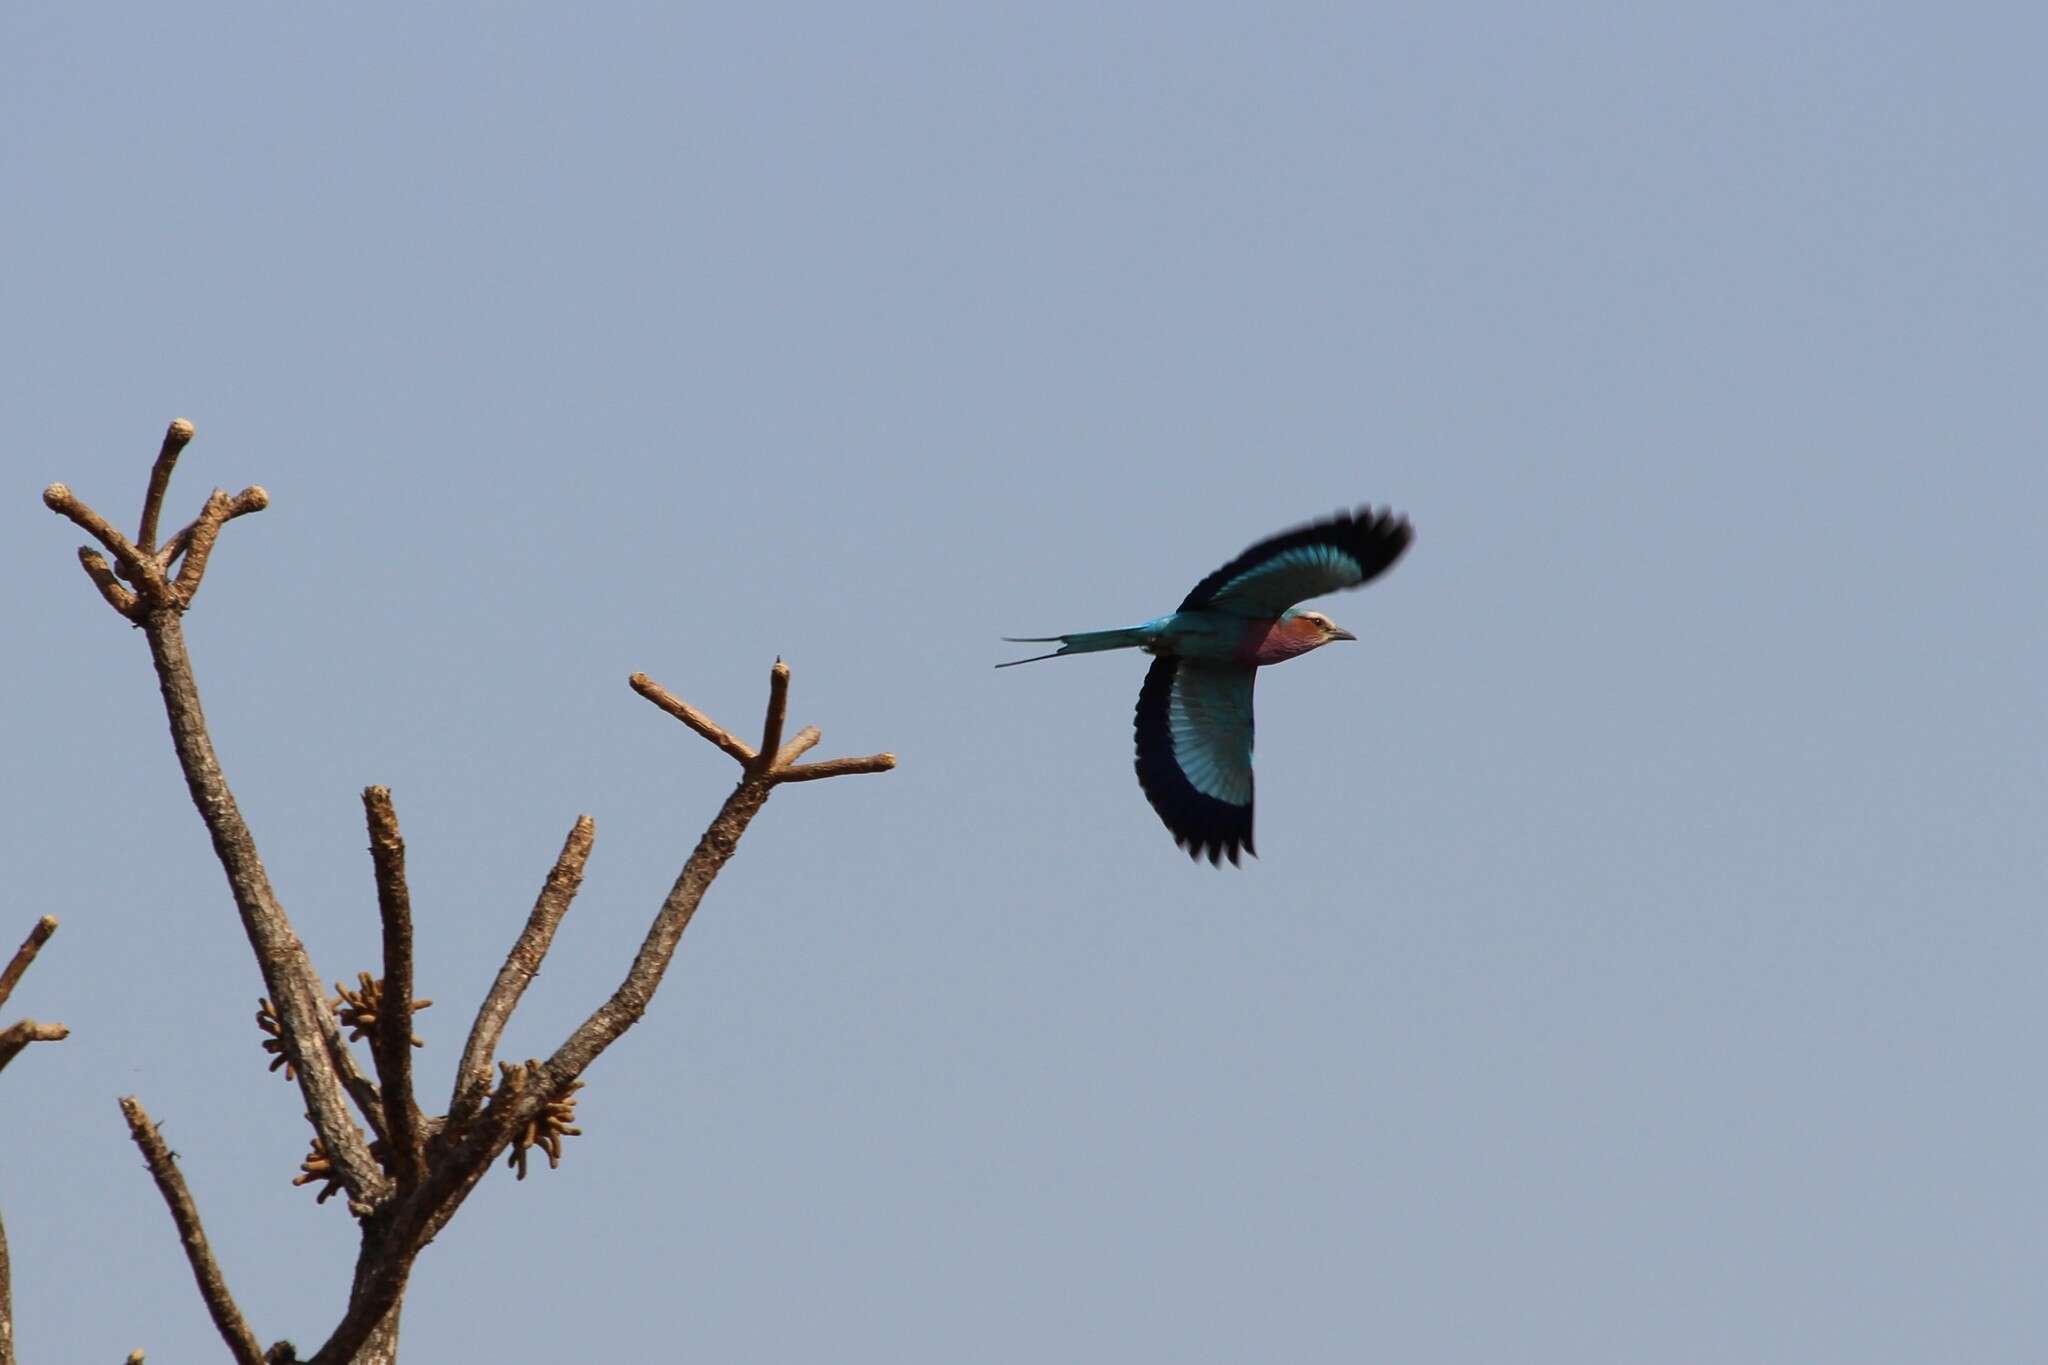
(1326, 629)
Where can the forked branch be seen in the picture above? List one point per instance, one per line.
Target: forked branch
(433, 1164)
(12, 1041)
(521, 1110)
(782, 766)
(19, 1035)
(156, 601)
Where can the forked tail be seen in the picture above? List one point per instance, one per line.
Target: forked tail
(1084, 642)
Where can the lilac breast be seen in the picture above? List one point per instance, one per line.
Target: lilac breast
(1270, 642)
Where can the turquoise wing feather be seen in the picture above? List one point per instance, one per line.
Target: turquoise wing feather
(1194, 732)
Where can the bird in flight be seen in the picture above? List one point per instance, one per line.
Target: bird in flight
(1194, 718)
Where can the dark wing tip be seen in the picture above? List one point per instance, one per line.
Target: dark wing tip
(1201, 824)
(1374, 537)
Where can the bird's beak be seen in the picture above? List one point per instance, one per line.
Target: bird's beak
(1339, 633)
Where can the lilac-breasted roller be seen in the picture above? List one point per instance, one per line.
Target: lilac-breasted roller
(1194, 718)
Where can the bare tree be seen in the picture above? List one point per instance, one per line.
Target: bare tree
(403, 1172)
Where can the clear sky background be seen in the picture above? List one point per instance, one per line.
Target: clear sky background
(1645, 962)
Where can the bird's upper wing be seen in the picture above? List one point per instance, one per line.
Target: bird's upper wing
(1348, 549)
(1194, 727)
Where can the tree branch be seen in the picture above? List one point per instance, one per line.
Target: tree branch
(311, 1038)
(522, 964)
(12, 1041)
(835, 767)
(806, 740)
(19, 1035)
(778, 711)
(713, 851)
(437, 1162)
(61, 500)
(176, 437)
(170, 1182)
(198, 545)
(392, 1045)
(691, 716)
(251, 499)
(456, 1169)
(118, 597)
(26, 954)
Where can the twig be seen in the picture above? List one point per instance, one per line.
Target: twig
(806, 740)
(360, 1088)
(17, 1036)
(176, 438)
(778, 710)
(198, 546)
(118, 597)
(392, 1046)
(170, 1182)
(254, 498)
(522, 964)
(836, 767)
(690, 716)
(61, 500)
(26, 954)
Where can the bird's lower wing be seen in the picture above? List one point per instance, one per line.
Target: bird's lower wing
(1347, 550)
(1194, 729)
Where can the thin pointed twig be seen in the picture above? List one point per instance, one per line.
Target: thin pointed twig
(118, 597)
(175, 440)
(691, 716)
(392, 1046)
(836, 767)
(806, 739)
(522, 964)
(213, 1287)
(26, 954)
(778, 711)
(254, 498)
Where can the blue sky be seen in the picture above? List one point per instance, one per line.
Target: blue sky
(1644, 962)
